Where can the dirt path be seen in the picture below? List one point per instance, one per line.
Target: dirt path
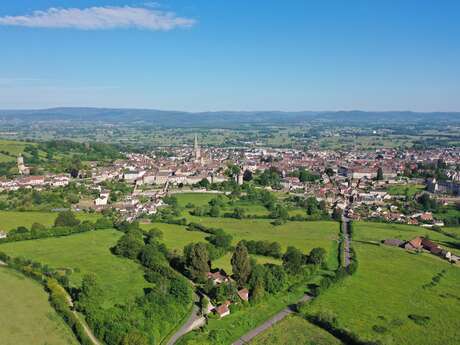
(88, 330)
(269, 323)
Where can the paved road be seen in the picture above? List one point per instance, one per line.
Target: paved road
(346, 235)
(269, 323)
(194, 317)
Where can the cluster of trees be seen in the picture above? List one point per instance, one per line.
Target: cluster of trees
(88, 151)
(7, 169)
(213, 209)
(427, 203)
(46, 199)
(259, 279)
(305, 176)
(146, 319)
(65, 224)
(310, 204)
(264, 248)
(425, 170)
(220, 241)
(268, 178)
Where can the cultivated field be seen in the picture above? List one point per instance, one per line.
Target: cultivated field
(390, 298)
(83, 253)
(12, 219)
(294, 330)
(26, 316)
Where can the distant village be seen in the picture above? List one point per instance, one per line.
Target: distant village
(362, 178)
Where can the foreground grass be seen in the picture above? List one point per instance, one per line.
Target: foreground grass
(26, 317)
(390, 285)
(12, 219)
(83, 253)
(294, 330)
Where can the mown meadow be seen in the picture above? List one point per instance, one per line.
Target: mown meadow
(295, 330)
(395, 297)
(89, 252)
(26, 316)
(12, 219)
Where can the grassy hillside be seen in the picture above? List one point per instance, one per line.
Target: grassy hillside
(390, 286)
(10, 149)
(86, 252)
(27, 317)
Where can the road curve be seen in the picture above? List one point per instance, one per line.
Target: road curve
(195, 315)
(269, 323)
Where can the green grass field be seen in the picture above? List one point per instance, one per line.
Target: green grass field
(303, 235)
(197, 199)
(402, 189)
(14, 149)
(176, 237)
(225, 261)
(294, 330)
(376, 302)
(368, 231)
(26, 316)
(12, 219)
(122, 278)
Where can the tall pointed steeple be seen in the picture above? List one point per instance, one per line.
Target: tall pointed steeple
(196, 149)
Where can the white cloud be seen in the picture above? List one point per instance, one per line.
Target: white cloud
(100, 18)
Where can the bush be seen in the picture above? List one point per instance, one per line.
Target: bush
(419, 319)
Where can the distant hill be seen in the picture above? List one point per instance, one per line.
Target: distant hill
(222, 118)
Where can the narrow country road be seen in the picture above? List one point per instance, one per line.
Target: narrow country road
(192, 321)
(346, 236)
(269, 323)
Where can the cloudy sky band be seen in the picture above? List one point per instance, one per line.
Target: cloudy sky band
(100, 18)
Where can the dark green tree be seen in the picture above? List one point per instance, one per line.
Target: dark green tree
(241, 264)
(66, 218)
(293, 260)
(130, 244)
(197, 261)
(317, 256)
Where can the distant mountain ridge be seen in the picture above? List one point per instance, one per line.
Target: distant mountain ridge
(222, 118)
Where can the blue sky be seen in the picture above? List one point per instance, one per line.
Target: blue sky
(231, 55)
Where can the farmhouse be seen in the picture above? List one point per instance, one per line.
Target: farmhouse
(415, 244)
(3, 234)
(223, 310)
(218, 277)
(244, 294)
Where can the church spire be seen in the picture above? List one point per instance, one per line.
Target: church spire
(196, 149)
